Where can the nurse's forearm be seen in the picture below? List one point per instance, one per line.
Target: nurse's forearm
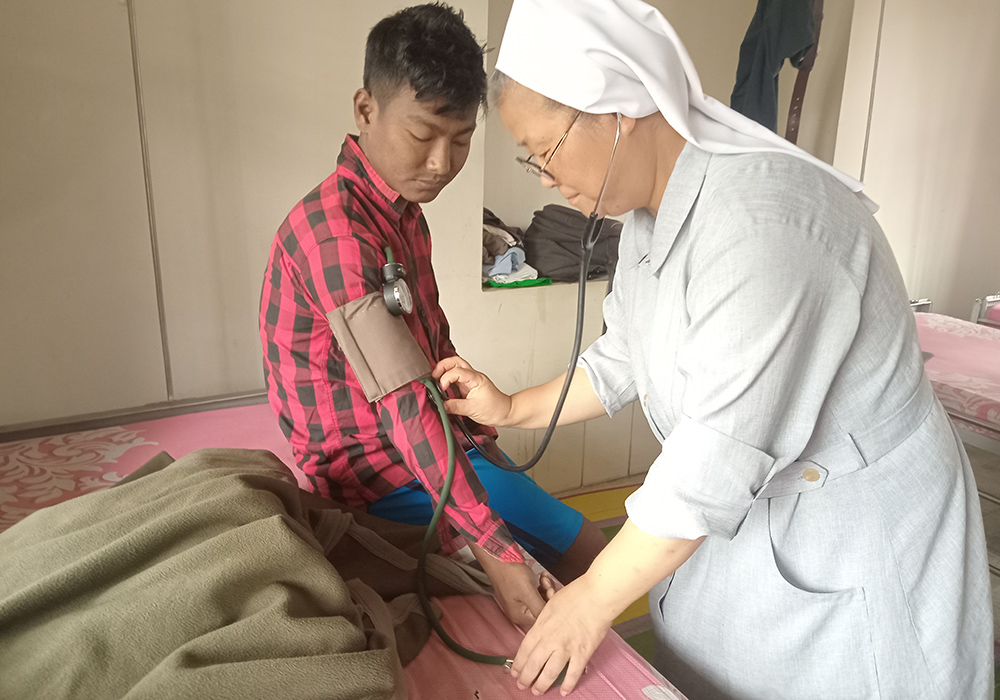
(631, 564)
(532, 408)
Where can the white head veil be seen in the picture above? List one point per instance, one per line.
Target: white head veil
(604, 56)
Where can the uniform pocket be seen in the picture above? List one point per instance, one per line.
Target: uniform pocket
(761, 616)
(792, 640)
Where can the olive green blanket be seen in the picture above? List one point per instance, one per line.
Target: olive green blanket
(214, 576)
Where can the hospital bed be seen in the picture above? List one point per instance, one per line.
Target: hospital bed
(987, 310)
(616, 670)
(962, 361)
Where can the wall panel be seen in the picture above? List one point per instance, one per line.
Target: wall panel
(247, 104)
(933, 156)
(79, 314)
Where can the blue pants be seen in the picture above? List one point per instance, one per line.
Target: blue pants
(542, 524)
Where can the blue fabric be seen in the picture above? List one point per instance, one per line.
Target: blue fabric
(539, 522)
(506, 263)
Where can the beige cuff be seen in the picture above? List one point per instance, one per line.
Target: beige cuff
(378, 346)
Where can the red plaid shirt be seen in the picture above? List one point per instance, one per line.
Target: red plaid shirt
(330, 251)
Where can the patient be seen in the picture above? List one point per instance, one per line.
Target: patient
(424, 85)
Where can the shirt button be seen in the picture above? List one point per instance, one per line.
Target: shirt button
(645, 399)
(810, 474)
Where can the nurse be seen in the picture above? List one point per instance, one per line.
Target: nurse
(811, 527)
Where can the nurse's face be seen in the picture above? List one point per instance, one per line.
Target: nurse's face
(578, 167)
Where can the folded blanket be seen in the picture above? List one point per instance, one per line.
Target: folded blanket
(214, 576)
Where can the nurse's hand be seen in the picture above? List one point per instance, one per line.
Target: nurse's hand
(568, 631)
(481, 400)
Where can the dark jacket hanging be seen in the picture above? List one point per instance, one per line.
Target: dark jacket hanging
(779, 29)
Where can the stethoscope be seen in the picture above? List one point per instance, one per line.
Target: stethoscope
(399, 301)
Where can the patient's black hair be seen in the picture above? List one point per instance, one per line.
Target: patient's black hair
(430, 48)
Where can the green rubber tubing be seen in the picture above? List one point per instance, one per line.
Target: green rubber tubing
(431, 535)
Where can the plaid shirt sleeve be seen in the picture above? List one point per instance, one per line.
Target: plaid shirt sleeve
(346, 267)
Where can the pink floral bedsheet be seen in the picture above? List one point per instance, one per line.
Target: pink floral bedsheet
(42, 472)
(46, 471)
(962, 360)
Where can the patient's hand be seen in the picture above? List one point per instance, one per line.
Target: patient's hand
(482, 401)
(516, 587)
(547, 585)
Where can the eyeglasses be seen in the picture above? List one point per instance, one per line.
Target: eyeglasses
(539, 170)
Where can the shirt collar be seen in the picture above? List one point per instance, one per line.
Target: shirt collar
(679, 197)
(354, 158)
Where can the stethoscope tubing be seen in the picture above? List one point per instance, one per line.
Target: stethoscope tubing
(591, 232)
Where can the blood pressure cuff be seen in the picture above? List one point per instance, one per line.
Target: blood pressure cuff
(378, 346)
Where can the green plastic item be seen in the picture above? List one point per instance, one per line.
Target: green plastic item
(539, 282)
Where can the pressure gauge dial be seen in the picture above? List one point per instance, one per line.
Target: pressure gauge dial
(397, 297)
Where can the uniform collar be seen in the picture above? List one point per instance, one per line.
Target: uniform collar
(679, 197)
(358, 162)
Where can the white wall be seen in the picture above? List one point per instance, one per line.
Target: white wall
(933, 155)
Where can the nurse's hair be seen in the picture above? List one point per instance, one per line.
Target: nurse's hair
(500, 83)
(429, 48)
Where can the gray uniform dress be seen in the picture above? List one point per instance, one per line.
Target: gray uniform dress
(762, 322)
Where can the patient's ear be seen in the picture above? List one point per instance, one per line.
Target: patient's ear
(365, 109)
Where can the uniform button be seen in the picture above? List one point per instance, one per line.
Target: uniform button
(645, 399)
(810, 474)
